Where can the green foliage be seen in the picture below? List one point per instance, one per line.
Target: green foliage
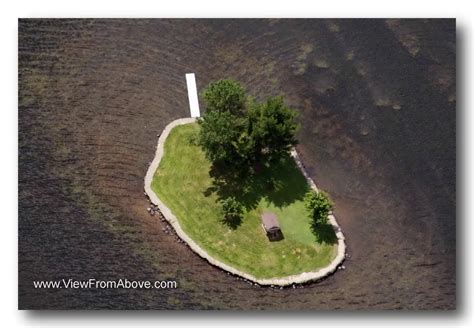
(318, 205)
(232, 211)
(272, 128)
(225, 96)
(183, 182)
(239, 140)
(219, 137)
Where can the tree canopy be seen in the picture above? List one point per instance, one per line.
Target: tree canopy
(225, 96)
(272, 128)
(219, 137)
(240, 132)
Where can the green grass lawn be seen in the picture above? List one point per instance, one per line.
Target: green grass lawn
(184, 183)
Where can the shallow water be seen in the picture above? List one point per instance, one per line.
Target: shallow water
(377, 111)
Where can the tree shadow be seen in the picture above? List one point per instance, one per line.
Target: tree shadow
(281, 182)
(287, 182)
(324, 233)
(242, 187)
(233, 222)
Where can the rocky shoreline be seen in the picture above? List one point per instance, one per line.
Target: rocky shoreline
(165, 214)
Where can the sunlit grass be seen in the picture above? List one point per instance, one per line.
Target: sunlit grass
(183, 182)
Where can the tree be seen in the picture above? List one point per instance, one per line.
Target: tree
(225, 96)
(318, 206)
(219, 137)
(237, 139)
(232, 211)
(272, 127)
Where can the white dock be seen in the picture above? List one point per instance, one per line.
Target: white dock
(192, 95)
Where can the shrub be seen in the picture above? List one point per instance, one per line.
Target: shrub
(233, 211)
(318, 206)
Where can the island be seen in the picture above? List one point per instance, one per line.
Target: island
(234, 189)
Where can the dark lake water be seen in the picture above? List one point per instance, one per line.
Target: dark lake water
(377, 104)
